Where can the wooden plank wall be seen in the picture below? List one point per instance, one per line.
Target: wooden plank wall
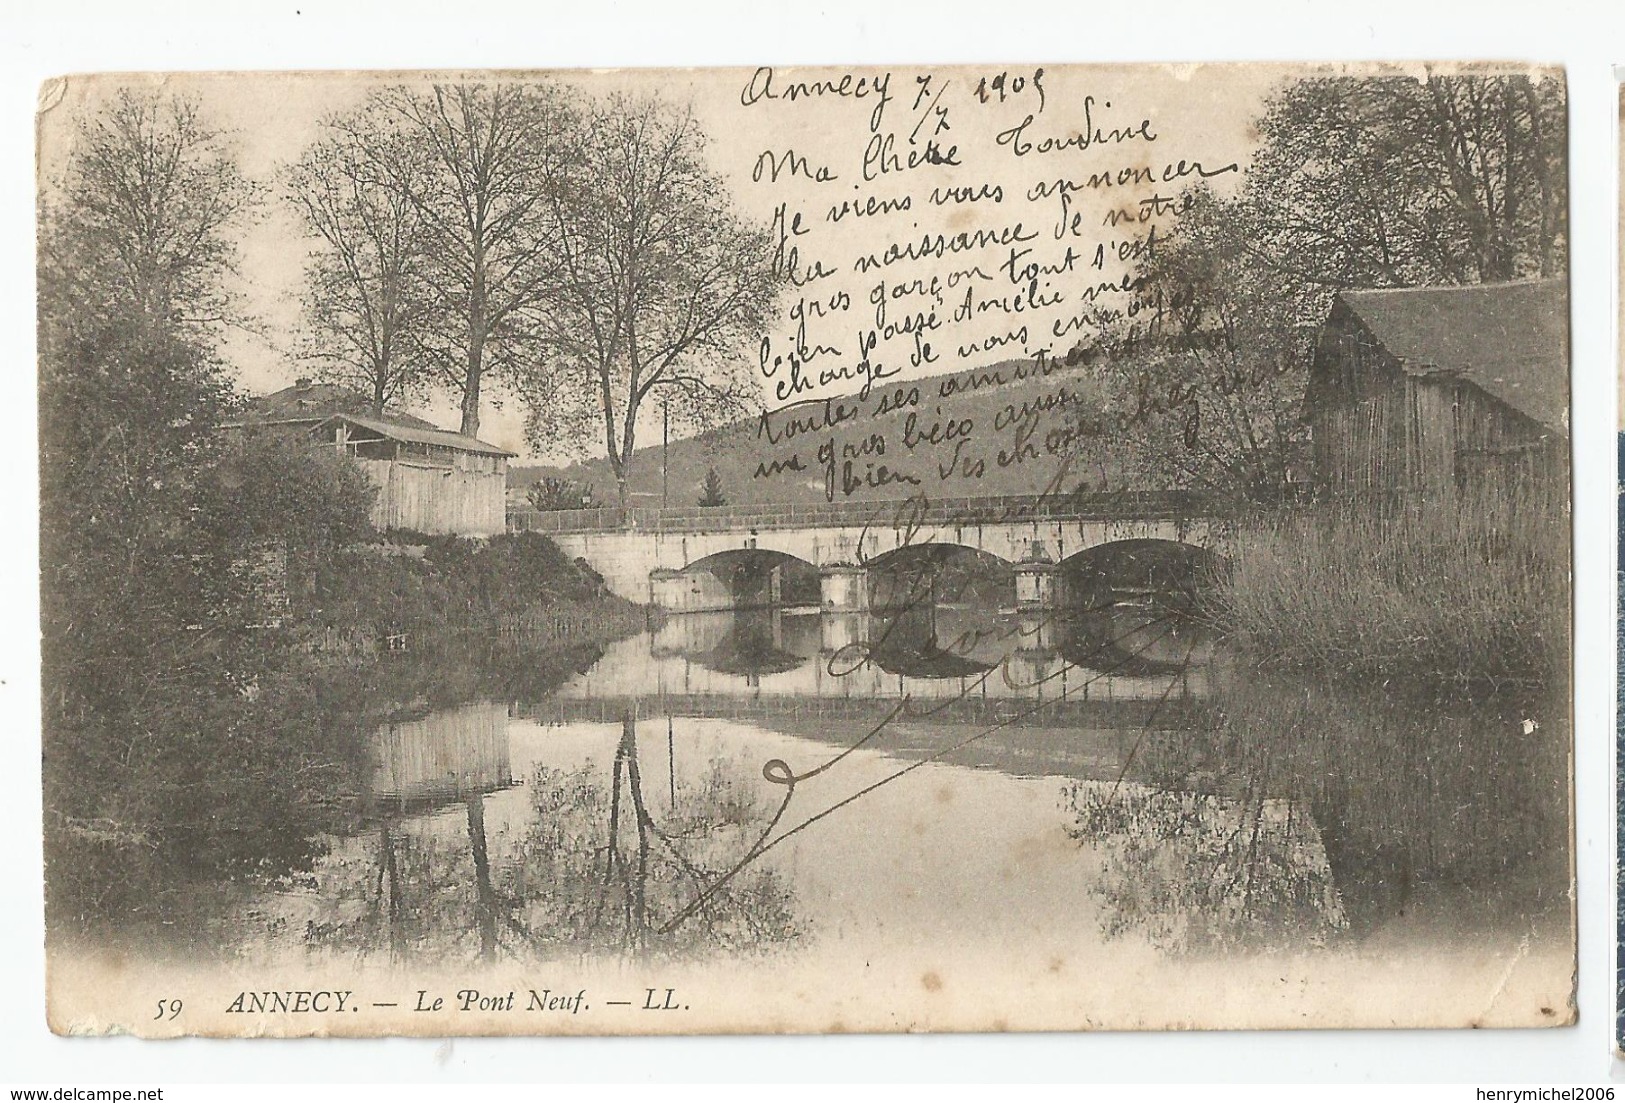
(435, 499)
(1416, 434)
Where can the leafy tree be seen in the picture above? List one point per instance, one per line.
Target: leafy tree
(160, 714)
(1358, 182)
(711, 489)
(552, 493)
(1204, 389)
(1399, 181)
(661, 286)
(367, 303)
(137, 225)
(135, 249)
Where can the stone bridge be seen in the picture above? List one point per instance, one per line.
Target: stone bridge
(700, 559)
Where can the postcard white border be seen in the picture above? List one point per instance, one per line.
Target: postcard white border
(56, 36)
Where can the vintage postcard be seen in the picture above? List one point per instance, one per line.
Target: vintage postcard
(889, 548)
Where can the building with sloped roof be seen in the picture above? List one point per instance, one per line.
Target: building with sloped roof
(1431, 388)
(309, 404)
(429, 480)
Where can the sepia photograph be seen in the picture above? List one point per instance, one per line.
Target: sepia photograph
(806, 550)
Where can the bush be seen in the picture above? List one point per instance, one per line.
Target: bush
(553, 493)
(456, 585)
(275, 486)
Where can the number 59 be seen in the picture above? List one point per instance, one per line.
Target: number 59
(168, 1009)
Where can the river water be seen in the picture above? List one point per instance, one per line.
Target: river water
(943, 801)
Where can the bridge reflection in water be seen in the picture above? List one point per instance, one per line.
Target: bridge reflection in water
(1205, 806)
(712, 663)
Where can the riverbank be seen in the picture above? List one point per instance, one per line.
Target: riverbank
(426, 588)
(1469, 591)
(229, 756)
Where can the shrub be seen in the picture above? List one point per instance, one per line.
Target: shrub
(273, 486)
(554, 493)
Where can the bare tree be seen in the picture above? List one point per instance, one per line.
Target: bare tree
(477, 163)
(367, 301)
(662, 287)
(139, 227)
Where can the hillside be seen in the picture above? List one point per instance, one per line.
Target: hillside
(996, 430)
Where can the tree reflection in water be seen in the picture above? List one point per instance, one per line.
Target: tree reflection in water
(594, 871)
(1303, 808)
(1197, 872)
(603, 873)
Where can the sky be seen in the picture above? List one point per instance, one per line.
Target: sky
(1193, 113)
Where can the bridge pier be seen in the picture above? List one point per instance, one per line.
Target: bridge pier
(843, 588)
(1037, 654)
(642, 553)
(836, 633)
(1038, 631)
(668, 588)
(689, 591)
(1040, 581)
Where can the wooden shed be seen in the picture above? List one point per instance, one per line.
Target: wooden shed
(429, 480)
(1441, 388)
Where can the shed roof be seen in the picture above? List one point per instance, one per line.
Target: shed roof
(1509, 339)
(440, 437)
(314, 403)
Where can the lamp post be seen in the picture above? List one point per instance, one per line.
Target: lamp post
(665, 445)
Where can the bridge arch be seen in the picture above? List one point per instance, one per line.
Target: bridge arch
(642, 553)
(1135, 640)
(1139, 571)
(738, 578)
(1129, 606)
(939, 573)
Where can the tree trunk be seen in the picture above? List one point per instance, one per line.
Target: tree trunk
(640, 907)
(395, 903)
(1541, 168)
(476, 353)
(471, 387)
(484, 894)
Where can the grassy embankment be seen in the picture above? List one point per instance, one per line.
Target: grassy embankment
(1475, 590)
(518, 587)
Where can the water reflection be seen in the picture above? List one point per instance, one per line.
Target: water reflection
(1198, 872)
(1188, 805)
(929, 652)
(614, 875)
(1229, 809)
(577, 859)
(451, 754)
(1297, 810)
